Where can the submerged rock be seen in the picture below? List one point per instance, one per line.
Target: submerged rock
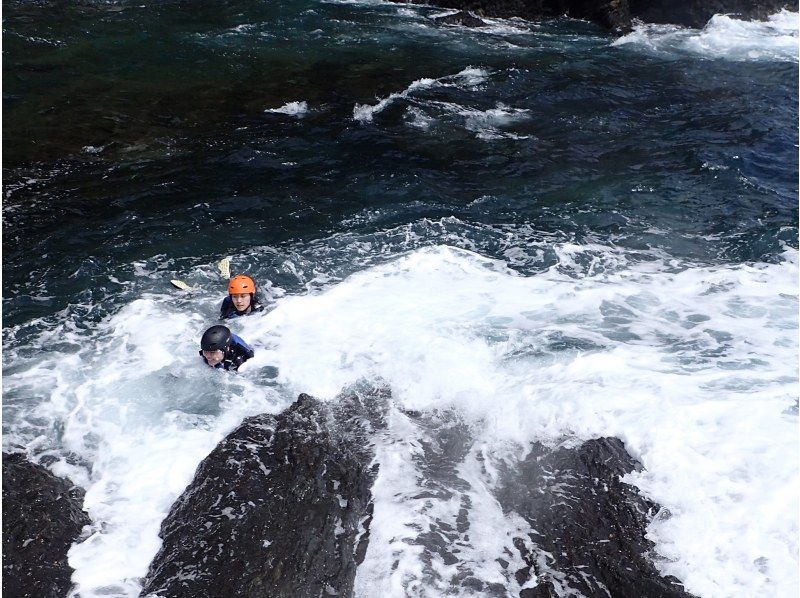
(42, 517)
(589, 526)
(281, 507)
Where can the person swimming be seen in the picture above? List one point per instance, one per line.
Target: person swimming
(242, 299)
(221, 349)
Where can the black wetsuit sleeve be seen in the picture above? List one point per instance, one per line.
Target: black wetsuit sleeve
(240, 352)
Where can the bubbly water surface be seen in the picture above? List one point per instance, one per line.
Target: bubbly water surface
(541, 231)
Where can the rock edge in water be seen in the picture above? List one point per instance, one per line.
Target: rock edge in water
(281, 507)
(614, 15)
(589, 526)
(42, 517)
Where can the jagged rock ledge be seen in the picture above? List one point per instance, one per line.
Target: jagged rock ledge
(283, 507)
(614, 15)
(42, 517)
(589, 526)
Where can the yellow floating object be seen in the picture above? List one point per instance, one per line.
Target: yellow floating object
(224, 266)
(181, 285)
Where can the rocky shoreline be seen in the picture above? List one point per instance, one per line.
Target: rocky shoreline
(283, 506)
(616, 16)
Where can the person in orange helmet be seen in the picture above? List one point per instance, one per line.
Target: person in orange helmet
(242, 299)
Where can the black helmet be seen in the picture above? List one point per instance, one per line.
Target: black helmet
(216, 338)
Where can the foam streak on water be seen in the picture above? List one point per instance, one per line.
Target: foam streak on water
(468, 77)
(723, 37)
(298, 109)
(437, 525)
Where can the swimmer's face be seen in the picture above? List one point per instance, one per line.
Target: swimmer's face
(241, 301)
(213, 357)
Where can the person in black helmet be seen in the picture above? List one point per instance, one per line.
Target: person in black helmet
(221, 349)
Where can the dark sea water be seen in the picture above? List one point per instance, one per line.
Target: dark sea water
(456, 212)
(148, 122)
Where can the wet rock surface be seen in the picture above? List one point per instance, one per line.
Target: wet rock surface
(588, 527)
(617, 15)
(580, 531)
(696, 13)
(284, 504)
(42, 517)
(281, 507)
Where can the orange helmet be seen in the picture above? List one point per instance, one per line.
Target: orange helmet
(241, 284)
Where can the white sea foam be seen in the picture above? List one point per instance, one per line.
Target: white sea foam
(723, 37)
(243, 28)
(365, 112)
(393, 556)
(417, 118)
(486, 124)
(505, 27)
(493, 26)
(407, 12)
(444, 13)
(298, 109)
(469, 77)
(396, 562)
(136, 404)
(695, 368)
(423, 113)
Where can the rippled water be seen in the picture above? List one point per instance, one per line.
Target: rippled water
(556, 233)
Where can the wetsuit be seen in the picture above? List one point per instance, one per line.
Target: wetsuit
(227, 310)
(235, 355)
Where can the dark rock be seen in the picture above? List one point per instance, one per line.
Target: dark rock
(586, 528)
(696, 13)
(42, 517)
(589, 526)
(616, 15)
(461, 18)
(281, 507)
